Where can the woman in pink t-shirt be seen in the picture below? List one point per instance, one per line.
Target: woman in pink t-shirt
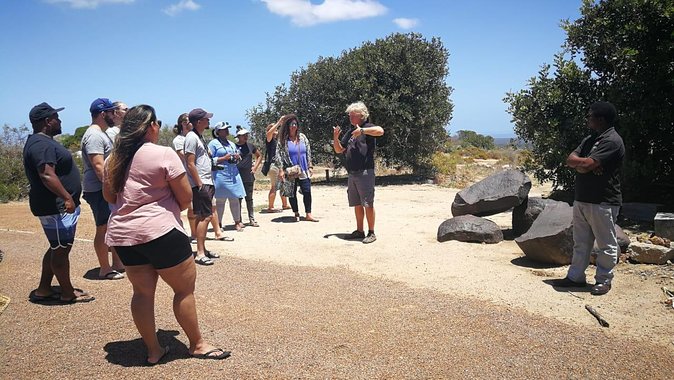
(146, 185)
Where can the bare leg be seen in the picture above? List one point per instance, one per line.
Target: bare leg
(181, 278)
(215, 224)
(360, 215)
(192, 221)
(202, 228)
(272, 197)
(46, 276)
(369, 214)
(116, 262)
(284, 202)
(144, 281)
(102, 250)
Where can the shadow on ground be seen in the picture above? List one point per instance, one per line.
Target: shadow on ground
(132, 353)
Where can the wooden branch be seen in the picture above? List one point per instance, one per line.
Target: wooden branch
(594, 312)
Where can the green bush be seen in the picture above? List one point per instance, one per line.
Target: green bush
(13, 181)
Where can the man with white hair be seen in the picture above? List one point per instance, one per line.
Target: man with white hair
(358, 143)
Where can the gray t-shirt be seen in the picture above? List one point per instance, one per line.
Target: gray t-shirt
(194, 145)
(179, 143)
(94, 141)
(112, 132)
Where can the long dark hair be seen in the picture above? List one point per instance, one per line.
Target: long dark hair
(284, 130)
(131, 137)
(178, 128)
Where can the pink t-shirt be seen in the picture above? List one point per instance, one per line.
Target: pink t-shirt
(146, 208)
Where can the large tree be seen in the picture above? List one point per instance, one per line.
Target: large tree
(621, 51)
(402, 80)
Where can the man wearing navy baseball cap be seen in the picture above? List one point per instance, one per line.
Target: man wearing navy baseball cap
(54, 198)
(96, 146)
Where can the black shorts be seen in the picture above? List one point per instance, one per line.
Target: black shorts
(163, 252)
(99, 206)
(202, 200)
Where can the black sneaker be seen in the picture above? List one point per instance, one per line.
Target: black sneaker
(370, 238)
(600, 289)
(567, 283)
(356, 235)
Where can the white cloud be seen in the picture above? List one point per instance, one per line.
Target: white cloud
(406, 23)
(183, 5)
(304, 13)
(88, 4)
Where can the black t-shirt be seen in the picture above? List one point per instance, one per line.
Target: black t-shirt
(246, 164)
(359, 151)
(40, 150)
(606, 148)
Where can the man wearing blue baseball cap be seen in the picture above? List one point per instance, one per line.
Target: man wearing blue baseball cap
(96, 146)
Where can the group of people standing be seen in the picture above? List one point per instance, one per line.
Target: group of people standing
(138, 189)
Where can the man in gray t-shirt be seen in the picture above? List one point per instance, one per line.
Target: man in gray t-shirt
(96, 146)
(199, 174)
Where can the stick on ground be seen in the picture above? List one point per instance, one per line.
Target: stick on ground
(594, 312)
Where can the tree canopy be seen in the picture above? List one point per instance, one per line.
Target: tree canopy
(621, 51)
(401, 79)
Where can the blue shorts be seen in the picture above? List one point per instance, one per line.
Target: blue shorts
(99, 206)
(60, 228)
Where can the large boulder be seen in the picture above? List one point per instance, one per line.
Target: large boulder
(647, 253)
(550, 238)
(525, 213)
(497, 193)
(469, 228)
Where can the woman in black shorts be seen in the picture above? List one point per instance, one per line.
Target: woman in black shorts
(147, 186)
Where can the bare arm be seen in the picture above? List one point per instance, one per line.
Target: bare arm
(336, 130)
(180, 187)
(51, 181)
(258, 161)
(272, 130)
(181, 154)
(97, 163)
(581, 164)
(192, 168)
(108, 194)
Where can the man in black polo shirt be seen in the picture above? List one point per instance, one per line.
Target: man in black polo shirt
(359, 144)
(54, 198)
(598, 162)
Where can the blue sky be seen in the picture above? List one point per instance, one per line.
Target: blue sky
(224, 55)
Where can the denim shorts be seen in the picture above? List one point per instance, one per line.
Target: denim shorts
(60, 228)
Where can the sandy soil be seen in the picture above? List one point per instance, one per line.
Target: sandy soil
(296, 300)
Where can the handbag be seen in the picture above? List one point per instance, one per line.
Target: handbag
(295, 170)
(265, 167)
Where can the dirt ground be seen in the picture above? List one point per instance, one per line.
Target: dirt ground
(296, 300)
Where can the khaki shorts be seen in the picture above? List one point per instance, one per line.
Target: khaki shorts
(273, 177)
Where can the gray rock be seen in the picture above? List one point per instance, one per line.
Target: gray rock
(664, 225)
(525, 213)
(646, 253)
(497, 193)
(550, 238)
(469, 228)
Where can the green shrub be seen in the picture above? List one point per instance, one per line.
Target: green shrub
(13, 181)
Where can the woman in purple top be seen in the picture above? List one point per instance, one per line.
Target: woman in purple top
(293, 149)
(147, 185)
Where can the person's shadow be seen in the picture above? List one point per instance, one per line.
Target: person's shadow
(339, 236)
(285, 219)
(132, 353)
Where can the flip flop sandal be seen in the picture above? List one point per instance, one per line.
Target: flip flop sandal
(212, 255)
(210, 354)
(112, 275)
(225, 238)
(44, 300)
(253, 224)
(82, 298)
(167, 349)
(204, 261)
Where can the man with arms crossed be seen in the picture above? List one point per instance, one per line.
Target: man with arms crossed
(55, 199)
(96, 146)
(359, 144)
(199, 176)
(598, 161)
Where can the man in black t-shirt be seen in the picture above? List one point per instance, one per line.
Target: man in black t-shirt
(598, 162)
(54, 198)
(359, 144)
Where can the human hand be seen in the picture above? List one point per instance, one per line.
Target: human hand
(311, 172)
(357, 132)
(336, 130)
(69, 205)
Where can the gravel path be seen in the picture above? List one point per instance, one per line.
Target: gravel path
(283, 321)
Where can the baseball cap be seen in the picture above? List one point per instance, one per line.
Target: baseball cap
(198, 114)
(220, 126)
(100, 105)
(242, 131)
(42, 111)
